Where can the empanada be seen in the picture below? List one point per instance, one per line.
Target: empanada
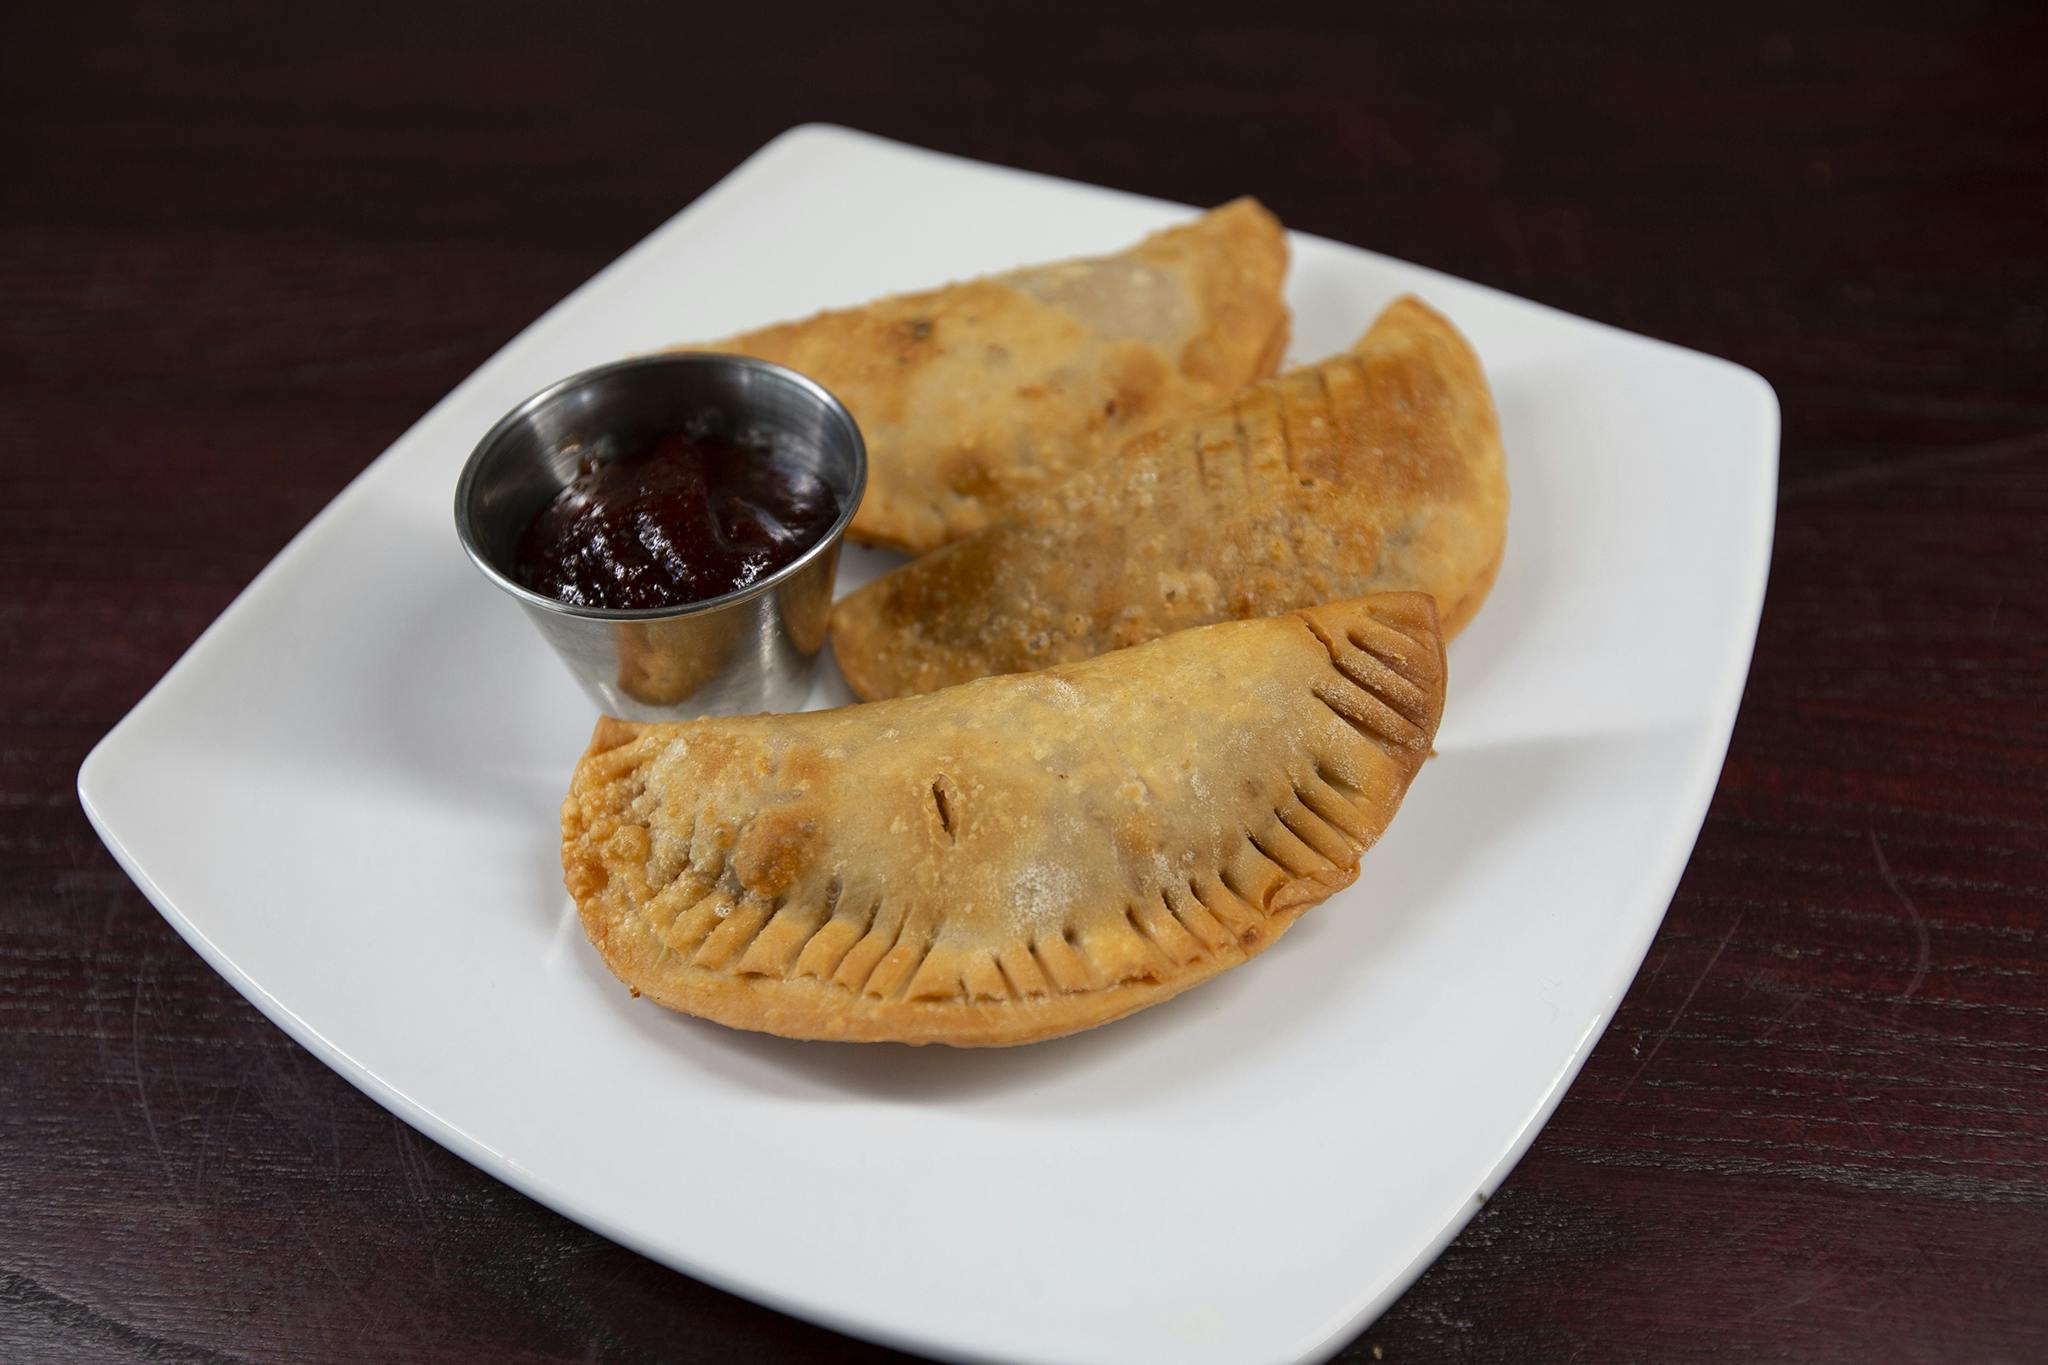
(1015, 858)
(1377, 470)
(973, 395)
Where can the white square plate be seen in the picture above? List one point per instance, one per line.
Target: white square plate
(344, 796)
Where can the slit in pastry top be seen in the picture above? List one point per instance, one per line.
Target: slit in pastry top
(1377, 470)
(1013, 859)
(973, 395)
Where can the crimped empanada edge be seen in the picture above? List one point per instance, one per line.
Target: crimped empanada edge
(820, 1009)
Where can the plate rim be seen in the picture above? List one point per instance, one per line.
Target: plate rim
(1662, 873)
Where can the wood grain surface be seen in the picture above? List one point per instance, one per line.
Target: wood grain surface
(243, 246)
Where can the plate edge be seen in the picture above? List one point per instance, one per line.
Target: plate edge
(1771, 413)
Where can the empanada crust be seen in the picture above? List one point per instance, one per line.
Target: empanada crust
(976, 394)
(1012, 859)
(1377, 470)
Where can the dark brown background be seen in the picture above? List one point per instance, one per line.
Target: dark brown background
(243, 248)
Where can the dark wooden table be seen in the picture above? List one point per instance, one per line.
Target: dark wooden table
(243, 249)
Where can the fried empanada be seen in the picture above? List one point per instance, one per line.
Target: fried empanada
(976, 394)
(1015, 858)
(1378, 470)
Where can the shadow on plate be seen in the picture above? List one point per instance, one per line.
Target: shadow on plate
(1515, 607)
(473, 706)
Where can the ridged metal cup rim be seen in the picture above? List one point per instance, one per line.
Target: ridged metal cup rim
(472, 471)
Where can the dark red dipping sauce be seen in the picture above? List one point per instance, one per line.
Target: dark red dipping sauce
(685, 519)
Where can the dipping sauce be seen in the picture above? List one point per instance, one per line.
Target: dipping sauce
(683, 520)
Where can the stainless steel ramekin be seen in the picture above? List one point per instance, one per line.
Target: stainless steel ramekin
(750, 650)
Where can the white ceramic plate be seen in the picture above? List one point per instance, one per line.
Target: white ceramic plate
(344, 796)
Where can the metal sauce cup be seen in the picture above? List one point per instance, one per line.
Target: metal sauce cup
(750, 650)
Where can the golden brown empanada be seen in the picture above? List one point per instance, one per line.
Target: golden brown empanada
(1011, 859)
(1378, 470)
(975, 394)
